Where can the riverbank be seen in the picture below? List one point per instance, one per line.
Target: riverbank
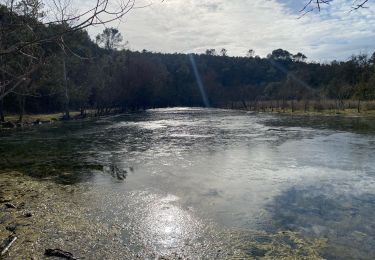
(342, 113)
(54, 117)
(12, 121)
(344, 108)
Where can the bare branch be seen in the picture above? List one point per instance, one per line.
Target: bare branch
(102, 13)
(313, 5)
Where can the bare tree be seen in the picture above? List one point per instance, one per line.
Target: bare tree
(18, 68)
(102, 13)
(20, 20)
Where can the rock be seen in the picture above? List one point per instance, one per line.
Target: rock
(10, 205)
(116, 172)
(59, 253)
(11, 228)
(28, 215)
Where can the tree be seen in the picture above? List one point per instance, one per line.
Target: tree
(280, 54)
(372, 59)
(299, 57)
(100, 13)
(223, 52)
(250, 53)
(17, 69)
(211, 52)
(27, 36)
(110, 38)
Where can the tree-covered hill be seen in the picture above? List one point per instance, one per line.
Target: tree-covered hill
(73, 72)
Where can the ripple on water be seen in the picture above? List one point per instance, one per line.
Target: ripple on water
(202, 181)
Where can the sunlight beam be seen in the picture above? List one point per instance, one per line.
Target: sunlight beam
(199, 81)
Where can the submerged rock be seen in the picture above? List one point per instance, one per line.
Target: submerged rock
(28, 215)
(11, 228)
(59, 253)
(10, 205)
(116, 172)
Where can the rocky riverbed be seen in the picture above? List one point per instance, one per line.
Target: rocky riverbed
(48, 215)
(45, 215)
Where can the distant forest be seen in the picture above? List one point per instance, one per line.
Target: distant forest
(76, 73)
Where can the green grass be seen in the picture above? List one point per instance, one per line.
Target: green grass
(327, 112)
(29, 118)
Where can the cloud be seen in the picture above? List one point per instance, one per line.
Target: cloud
(238, 25)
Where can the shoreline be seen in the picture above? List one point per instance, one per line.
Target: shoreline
(348, 113)
(30, 120)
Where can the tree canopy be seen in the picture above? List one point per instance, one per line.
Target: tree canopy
(76, 73)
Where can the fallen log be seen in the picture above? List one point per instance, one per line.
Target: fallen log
(11, 240)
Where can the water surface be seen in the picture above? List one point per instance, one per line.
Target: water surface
(174, 181)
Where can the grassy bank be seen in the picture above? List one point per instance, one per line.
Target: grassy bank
(12, 121)
(326, 112)
(37, 117)
(346, 108)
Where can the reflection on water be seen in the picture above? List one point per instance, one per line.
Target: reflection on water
(193, 172)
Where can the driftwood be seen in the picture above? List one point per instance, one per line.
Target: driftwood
(11, 240)
(59, 253)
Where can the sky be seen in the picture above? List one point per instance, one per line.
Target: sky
(187, 26)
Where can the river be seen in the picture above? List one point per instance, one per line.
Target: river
(198, 183)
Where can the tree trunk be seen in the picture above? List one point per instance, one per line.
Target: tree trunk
(359, 105)
(2, 116)
(21, 103)
(66, 96)
(244, 104)
(292, 105)
(82, 112)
